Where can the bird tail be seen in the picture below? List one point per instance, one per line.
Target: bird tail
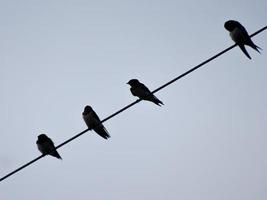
(55, 154)
(252, 45)
(157, 101)
(102, 131)
(256, 48)
(242, 47)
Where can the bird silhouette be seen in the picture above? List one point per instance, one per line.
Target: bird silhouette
(240, 36)
(140, 90)
(46, 146)
(93, 122)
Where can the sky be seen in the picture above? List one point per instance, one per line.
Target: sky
(207, 142)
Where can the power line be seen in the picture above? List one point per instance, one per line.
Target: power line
(130, 105)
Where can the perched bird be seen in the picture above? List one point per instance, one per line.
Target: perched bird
(140, 90)
(46, 146)
(93, 122)
(240, 36)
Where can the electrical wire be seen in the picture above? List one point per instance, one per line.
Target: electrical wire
(133, 103)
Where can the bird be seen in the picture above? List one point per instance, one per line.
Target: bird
(240, 36)
(140, 90)
(93, 122)
(46, 146)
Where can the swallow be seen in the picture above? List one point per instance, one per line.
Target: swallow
(46, 146)
(140, 90)
(240, 36)
(93, 122)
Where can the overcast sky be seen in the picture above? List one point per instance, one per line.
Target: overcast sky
(208, 142)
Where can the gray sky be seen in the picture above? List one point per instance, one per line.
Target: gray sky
(206, 143)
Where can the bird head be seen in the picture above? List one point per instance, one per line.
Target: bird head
(87, 109)
(133, 82)
(42, 137)
(230, 25)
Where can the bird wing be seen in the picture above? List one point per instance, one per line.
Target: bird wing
(50, 142)
(95, 116)
(144, 88)
(99, 127)
(242, 47)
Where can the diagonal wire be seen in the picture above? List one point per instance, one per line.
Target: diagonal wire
(130, 105)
